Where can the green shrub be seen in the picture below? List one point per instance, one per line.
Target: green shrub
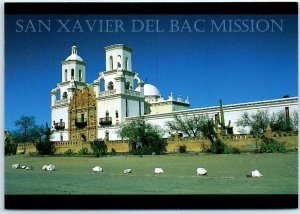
(142, 151)
(231, 150)
(99, 148)
(83, 151)
(113, 151)
(69, 153)
(218, 147)
(269, 145)
(236, 150)
(182, 148)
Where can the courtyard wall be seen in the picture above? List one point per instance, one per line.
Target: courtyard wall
(246, 143)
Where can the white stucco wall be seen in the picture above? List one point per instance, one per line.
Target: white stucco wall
(110, 105)
(231, 112)
(56, 115)
(56, 135)
(112, 133)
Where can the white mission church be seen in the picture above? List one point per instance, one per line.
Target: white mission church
(80, 111)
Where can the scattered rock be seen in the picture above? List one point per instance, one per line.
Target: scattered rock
(201, 171)
(16, 166)
(126, 171)
(256, 174)
(97, 169)
(44, 167)
(28, 168)
(50, 167)
(158, 171)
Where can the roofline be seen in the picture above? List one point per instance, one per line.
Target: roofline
(118, 46)
(226, 108)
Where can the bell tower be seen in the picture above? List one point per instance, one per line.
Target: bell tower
(73, 68)
(118, 57)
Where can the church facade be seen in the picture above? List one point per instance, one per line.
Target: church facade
(82, 112)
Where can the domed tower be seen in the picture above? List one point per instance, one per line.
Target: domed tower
(73, 72)
(73, 77)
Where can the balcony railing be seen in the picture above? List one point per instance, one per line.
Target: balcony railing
(132, 92)
(81, 122)
(59, 126)
(107, 93)
(61, 101)
(105, 121)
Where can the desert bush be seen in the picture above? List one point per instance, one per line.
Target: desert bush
(83, 151)
(217, 147)
(182, 148)
(68, 153)
(205, 148)
(269, 145)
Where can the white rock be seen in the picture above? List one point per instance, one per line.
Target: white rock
(256, 174)
(16, 166)
(201, 171)
(50, 167)
(44, 167)
(97, 169)
(28, 168)
(158, 171)
(126, 171)
(23, 167)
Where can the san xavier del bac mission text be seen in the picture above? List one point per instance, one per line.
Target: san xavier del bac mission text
(150, 26)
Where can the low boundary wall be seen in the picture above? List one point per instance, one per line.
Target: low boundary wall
(246, 143)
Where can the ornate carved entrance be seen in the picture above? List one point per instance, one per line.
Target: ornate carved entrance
(82, 116)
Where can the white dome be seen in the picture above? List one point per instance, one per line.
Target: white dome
(150, 90)
(74, 57)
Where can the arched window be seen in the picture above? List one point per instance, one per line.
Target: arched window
(111, 63)
(107, 135)
(65, 95)
(127, 86)
(127, 110)
(106, 114)
(126, 64)
(66, 75)
(140, 109)
(72, 74)
(119, 62)
(117, 114)
(80, 75)
(110, 86)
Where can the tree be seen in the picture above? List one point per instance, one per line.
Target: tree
(27, 130)
(279, 122)
(198, 125)
(143, 137)
(44, 145)
(191, 126)
(10, 146)
(294, 121)
(257, 122)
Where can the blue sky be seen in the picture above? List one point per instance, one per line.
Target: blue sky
(206, 66)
